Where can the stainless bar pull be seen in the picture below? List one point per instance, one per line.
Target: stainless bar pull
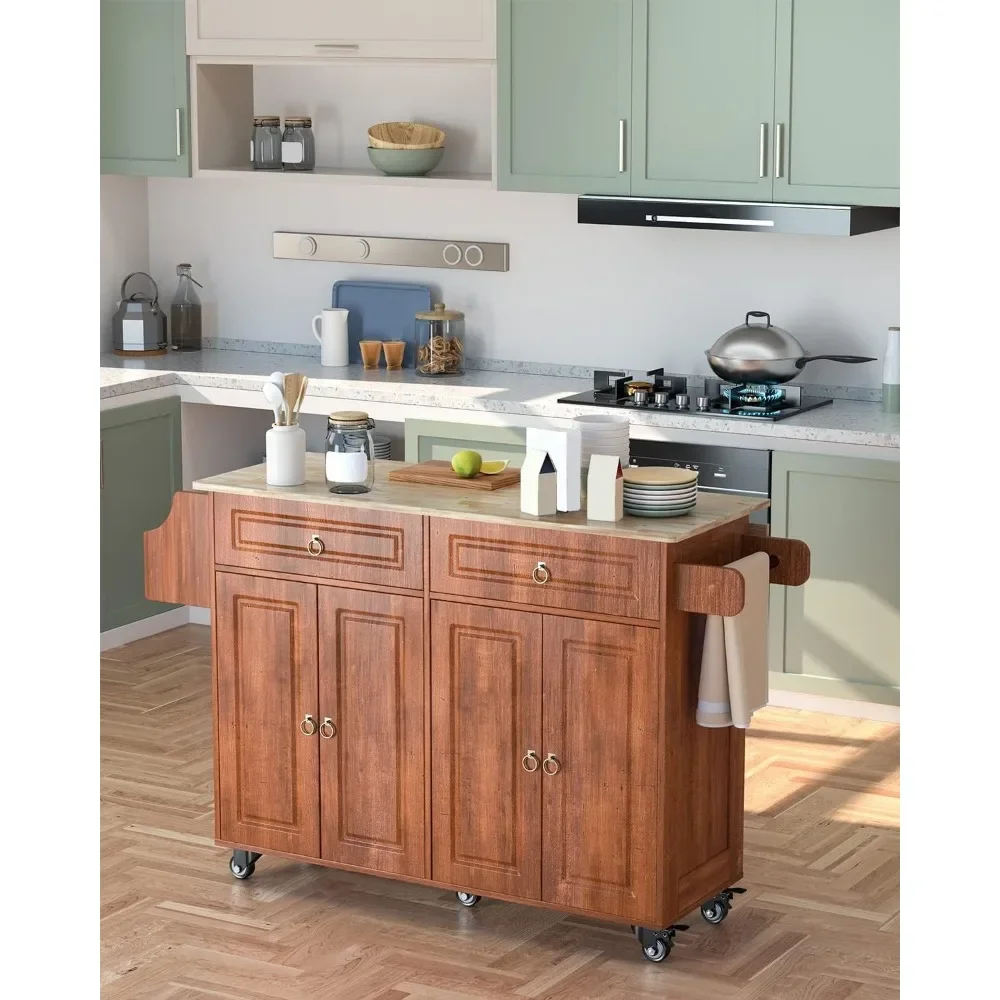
(177, 129)
(762, 149)
(621, 145)
(779, 151)
(342, 46)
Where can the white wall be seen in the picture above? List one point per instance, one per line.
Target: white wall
(574, 294)
(124, 241)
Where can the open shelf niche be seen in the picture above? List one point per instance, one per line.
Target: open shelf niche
(344, 99)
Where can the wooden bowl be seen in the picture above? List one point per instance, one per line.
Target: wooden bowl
(405, 135)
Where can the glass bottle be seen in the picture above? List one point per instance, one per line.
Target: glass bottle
(350, 452)
(185, 313)
(265, 143)
(298, 144)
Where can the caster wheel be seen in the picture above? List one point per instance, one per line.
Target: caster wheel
(657, 951)
(467, 898)
(715, 911)
(241, 872)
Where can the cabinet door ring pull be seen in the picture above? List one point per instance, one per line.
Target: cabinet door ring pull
(540, 574)
(308, 726)
(551, 764)
(315, 546)
(530, 757)
(327, 729)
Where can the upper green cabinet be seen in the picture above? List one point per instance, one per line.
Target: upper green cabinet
(144, 91)
(837, 101)
(744, 100)
(702, 98)
(564, 95)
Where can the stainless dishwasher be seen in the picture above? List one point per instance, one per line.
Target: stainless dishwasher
(739, 471)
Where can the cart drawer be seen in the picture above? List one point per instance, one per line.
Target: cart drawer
(377, 547)
(590, 573)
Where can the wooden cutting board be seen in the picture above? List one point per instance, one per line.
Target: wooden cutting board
(438, 472)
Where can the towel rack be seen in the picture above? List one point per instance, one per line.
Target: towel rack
(719, 590)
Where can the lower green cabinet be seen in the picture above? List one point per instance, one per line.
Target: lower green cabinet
(838, 635)
(427, 439)
(144, 89)
(140, 472)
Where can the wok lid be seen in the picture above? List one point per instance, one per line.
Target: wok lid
(757, 342)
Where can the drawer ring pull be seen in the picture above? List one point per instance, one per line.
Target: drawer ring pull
(551, 764)
(540, 574)
(327, 729)
(527, 758)
(308, 726)
(315, 546)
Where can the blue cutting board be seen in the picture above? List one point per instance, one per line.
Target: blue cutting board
(381, 310)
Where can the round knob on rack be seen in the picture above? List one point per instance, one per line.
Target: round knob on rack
(473, 255)
(308, 246)
(364, 248)
(452, 254)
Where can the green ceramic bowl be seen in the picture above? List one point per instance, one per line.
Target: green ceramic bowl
(405, 162)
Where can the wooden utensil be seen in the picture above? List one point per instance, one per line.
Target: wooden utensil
(299, 398)
(292, 388)
(438, 472)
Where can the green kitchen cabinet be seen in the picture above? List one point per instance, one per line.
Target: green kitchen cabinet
(140, 472)
(564, 78)
(144, 89)
(427, 439)
(838, 635)
(703, 98)
(836, 102)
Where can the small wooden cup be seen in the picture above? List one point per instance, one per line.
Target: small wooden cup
(394, 351)
(371, 350)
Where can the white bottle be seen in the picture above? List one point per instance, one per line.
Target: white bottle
(890, 372)
(285, 450)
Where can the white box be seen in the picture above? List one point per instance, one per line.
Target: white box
(564, 450)
(604, 488)
(538, 483)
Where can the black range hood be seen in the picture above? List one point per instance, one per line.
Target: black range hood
(736, 216)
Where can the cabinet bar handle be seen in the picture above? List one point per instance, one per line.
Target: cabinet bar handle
(779, 152)
(621, 145)
(308, 726)
(762, 150)
(177, 129)
(530, 758)
(342, 46)
(327, 729)
(551, 764)
(540, 574)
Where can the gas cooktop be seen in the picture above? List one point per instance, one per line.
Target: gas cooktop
(669, 394)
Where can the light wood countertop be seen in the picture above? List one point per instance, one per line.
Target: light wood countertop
(498, 506)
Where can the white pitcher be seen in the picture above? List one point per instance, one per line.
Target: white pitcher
(330, 329)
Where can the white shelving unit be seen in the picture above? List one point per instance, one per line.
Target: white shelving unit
(344, 98)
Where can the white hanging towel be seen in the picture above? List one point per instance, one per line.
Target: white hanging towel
(733, 683)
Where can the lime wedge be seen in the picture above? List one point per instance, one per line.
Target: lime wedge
(492, 468)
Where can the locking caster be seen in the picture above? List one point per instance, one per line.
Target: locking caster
(716, 909)
(242, 863)
(656, 945)
(467, 898)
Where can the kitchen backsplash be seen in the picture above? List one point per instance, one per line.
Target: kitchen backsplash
(574, 295)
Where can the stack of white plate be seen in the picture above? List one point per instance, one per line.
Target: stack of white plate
(654, 491)
(602, 434)
(383, 445)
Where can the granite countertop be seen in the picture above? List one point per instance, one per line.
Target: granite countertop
(502, 506)
(845, 421)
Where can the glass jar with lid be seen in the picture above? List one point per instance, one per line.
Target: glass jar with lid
(440, 341)
(265, 143)
(298, 144)
(350, 452)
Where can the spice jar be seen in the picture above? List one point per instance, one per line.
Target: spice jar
(350, 452)
(440, 341)
(298, 145)
(265, 143)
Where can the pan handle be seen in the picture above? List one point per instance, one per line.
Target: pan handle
(847, 359)
(758, 314)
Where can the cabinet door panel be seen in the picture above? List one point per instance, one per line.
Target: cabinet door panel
(703, 84)
(837, 94)
(486, 691)
(599, 810)
(144, 89)
(371, 684)
(564, 71)
(268, 795)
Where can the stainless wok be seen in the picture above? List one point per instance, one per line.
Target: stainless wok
(764, 354)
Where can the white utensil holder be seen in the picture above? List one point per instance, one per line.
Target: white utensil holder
(285, 451)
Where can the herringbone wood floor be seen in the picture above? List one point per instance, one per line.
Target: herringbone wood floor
(819, 921)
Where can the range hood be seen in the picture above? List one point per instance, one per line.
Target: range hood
(736, 216)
